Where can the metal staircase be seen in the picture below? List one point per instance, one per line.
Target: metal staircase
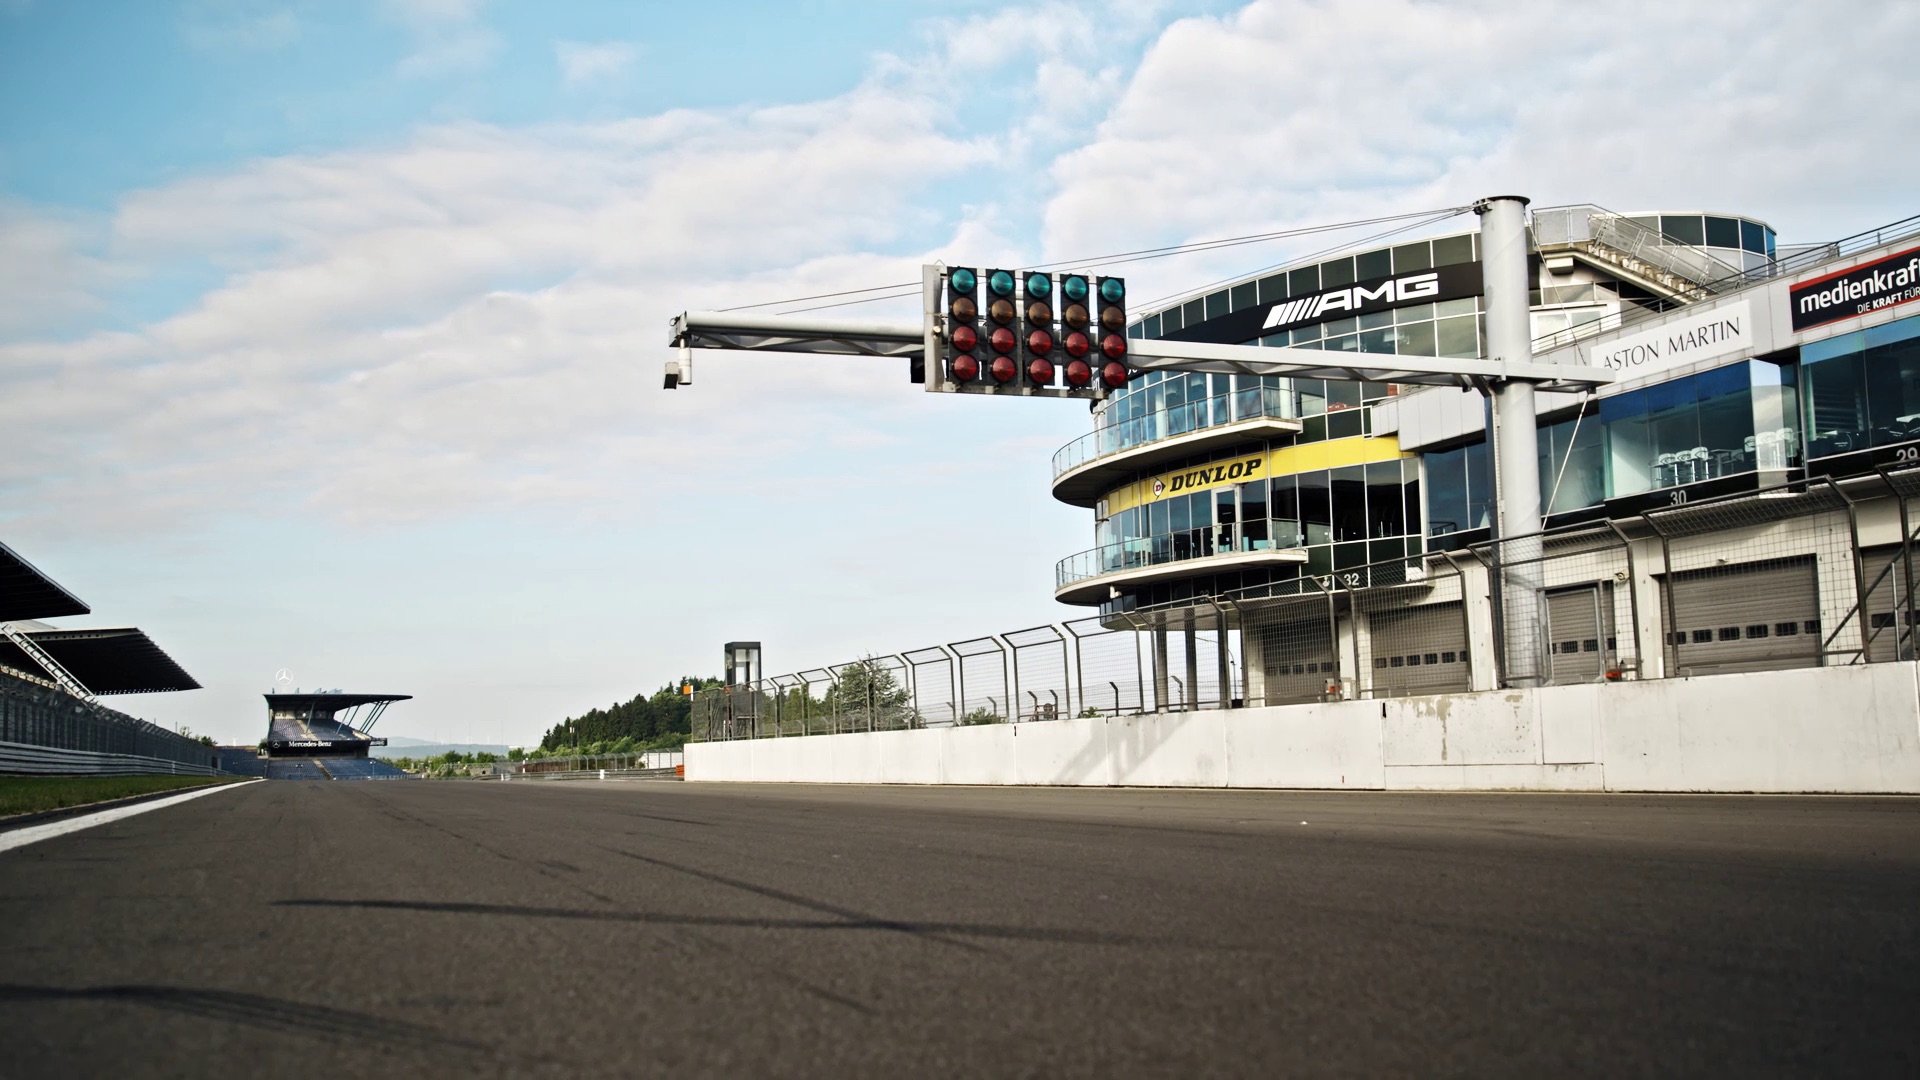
(60, 676)
(1632, 252)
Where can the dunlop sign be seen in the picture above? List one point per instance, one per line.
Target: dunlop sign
(1244, 469)
(1863, 289)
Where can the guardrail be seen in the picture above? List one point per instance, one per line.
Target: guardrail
(19, 759)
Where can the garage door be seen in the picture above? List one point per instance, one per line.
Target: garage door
(1580, 639)
(1419, 650)
(1753, 617)
(1297, 658)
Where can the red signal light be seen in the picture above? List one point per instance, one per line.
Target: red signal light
(966, 368)
(1113, 346)
(1114, 375)
(1078, 373)
(964, 338)
(1077, 345)
(1001, 340)
(1040, 342)
(1002, 369)
(1040, 370)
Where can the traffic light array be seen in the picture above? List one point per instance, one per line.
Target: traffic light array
(1031, 333)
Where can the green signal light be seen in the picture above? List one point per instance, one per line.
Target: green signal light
(1075, 288)
(1113, 290)
(1001, 283)
(1038, 285)
(963, 280)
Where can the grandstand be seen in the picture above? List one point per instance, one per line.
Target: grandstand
(51, 680)
(327, 735)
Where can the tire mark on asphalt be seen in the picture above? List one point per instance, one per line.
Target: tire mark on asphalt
(919, 928)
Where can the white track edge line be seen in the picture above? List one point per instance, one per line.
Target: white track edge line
(35, 833)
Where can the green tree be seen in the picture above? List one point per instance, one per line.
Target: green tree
(867, 694)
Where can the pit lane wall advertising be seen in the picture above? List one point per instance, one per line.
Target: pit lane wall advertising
(1861, 290)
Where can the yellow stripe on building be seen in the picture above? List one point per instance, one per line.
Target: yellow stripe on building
(1305, 457)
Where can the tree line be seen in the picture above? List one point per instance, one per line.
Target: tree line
(661, 720)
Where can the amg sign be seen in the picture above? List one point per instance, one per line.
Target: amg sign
(1882, 283)
(1376, 294)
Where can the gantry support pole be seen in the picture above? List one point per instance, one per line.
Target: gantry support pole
(1503, 241)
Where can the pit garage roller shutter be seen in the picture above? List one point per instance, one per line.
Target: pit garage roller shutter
(1754, 617)
(1890, 622)
(1297, 661)
(1419, 650)
(1580, 640)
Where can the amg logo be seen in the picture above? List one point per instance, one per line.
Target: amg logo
(1357, 298)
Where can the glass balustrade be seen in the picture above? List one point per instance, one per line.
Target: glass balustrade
(1116, 434)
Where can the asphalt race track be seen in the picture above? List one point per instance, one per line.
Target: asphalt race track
(365, 929)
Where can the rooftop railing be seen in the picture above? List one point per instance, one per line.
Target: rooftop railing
(1165, 422)
(1797, 262)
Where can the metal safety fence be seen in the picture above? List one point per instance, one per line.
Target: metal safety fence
(1809, 573)
(34, 713)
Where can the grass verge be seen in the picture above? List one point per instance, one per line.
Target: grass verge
(38, 794)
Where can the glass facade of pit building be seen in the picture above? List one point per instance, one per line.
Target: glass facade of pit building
(1750, 421)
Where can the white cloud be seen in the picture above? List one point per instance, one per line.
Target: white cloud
(50, 272)
(449, 37)
(456, 321)
(1293, 112)
(582, 63)
(239, 25)
(443, 315)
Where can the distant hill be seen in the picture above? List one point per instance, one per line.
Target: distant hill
(400, 746)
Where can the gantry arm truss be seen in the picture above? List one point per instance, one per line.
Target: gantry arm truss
(885, 338)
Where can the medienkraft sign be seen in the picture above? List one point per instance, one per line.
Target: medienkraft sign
(1376, 294)
(1860, 290)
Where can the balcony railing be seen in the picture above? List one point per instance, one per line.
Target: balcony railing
(1252, 403)
(1153, 551)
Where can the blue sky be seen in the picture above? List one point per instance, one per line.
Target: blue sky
(330, 333)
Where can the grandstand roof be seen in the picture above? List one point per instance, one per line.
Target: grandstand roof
(329, 703)
(113, 660)
(26, 593)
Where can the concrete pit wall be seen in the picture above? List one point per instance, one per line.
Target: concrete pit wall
(1843, 729)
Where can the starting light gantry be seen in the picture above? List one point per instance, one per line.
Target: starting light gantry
(1019, 349)
(1017, 346)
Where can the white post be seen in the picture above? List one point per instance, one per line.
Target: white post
(1503, 254)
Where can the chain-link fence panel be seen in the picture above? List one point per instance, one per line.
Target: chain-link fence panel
(1108, 669)
(871, 694)
(1888, 570)
(985, 696)
(936, 699)
(1411, 636)
(1761, 583)
(1560, 601)
(1041, 687)
(1290, 647)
